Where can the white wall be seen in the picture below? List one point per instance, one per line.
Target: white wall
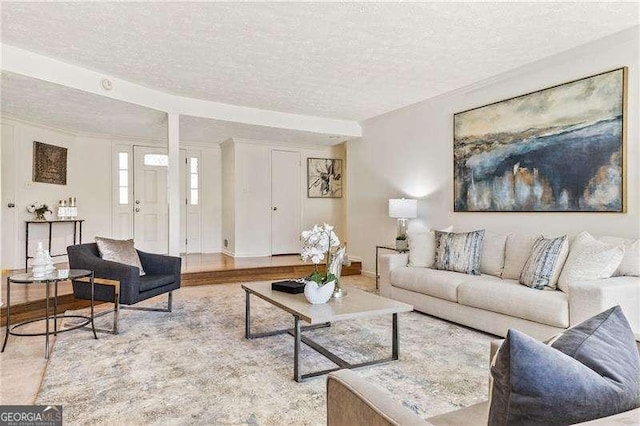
(246, 196)
(408, 152)
(90, 170)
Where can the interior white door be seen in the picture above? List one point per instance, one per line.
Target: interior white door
(9, 241)
(285, 202)
(150, 208)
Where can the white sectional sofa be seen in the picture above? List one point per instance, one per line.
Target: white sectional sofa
(495, 303)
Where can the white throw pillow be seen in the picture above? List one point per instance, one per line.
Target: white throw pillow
(590, 259)
(516, 254)
(422, 247)
(492, 257)
(630, 264)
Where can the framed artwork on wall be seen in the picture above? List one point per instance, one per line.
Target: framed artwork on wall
(560, 149)
(49, 163)
(324, 178)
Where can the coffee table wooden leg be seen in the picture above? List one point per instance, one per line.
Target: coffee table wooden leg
(296, 350)
(395, 344)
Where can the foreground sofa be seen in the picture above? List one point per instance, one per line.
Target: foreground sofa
(495, 303)
(352, 401)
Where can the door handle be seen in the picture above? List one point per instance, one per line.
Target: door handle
(275, 208)
(11, 205)
(137, 209)
(137, 201)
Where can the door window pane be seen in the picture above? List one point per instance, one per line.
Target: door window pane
(123, 160)
(194, 197)
(124, 195)
(194, 164)
(159, 160)
(194, 181)
(124, 178)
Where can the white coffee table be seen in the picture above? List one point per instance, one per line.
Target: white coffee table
(357, 304)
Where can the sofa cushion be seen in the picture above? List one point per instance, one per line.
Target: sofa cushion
(630, 265)
(590, 259)
(422, 247)
(591, 371)
(510, 298)
(545, 262)
(492, 257)
(149, 282)
(516, 254)
(432, 282)
(459, 252)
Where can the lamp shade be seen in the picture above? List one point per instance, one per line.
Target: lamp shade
(403, 208)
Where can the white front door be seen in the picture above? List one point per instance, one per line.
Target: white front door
(150, 208)
(285, 202)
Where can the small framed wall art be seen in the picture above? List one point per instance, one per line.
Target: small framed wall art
(49, 163)
(324, 178)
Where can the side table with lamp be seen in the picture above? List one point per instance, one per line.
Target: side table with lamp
(402, 209)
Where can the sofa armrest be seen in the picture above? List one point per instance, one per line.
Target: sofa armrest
(588, 298)
(386, 264)
(160, 264)
(351, 401)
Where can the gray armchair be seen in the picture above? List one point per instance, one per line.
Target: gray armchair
(162, 276)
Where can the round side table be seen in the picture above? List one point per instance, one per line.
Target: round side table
(52, 278)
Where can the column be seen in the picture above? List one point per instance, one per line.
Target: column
(173, 182)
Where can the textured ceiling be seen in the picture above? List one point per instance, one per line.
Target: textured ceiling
(70, 109)
(340, 60)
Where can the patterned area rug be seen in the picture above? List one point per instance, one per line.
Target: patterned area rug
(194, 366)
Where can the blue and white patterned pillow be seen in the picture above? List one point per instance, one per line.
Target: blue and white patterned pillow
(459, 252)
(542, 268)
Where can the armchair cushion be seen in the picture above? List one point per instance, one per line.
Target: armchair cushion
(149, 282)
(120, 251)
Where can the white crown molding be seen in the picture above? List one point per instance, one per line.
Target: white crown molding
(24, 62)
(628, 35)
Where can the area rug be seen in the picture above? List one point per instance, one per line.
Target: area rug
(194, 366)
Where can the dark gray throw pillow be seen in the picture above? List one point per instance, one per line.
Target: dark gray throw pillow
(590, 371)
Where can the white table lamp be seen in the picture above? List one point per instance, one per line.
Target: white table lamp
(402, 209)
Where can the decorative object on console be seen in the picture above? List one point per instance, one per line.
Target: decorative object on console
(403, 209)
(324, 178)
(317, 244)
(459, 252)
(119, 251)
(39, 210)
(590, 371)
(558, 149)
(590, 259)
(545, 262)
(49, 163)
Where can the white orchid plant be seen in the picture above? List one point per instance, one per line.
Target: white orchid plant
(317, 243)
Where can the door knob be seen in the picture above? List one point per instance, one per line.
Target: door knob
(275, 208)
(137, 209)
(11, 205)
(137, 201)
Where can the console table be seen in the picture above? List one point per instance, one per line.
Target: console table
(77, 232)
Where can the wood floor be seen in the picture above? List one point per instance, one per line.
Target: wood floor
(28, 301)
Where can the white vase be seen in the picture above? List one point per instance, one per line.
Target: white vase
(40, 263)
(316, 294)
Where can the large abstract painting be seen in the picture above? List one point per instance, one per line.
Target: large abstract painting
(324, 178)
(560, 149)
(49, 163)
